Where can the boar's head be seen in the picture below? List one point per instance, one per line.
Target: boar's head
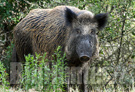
(82, 43)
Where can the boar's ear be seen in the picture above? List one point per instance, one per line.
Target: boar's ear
(70, 15)
(101, 20)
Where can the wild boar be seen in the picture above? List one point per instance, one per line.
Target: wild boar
(43, 30)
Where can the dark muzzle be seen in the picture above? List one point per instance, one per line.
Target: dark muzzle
(84, 49)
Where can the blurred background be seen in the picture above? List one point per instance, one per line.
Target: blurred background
(114, 70)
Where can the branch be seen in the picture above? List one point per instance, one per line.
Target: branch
(109, 79)
(121, 40)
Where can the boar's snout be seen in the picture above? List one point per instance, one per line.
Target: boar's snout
(84, 58)
(84, 49)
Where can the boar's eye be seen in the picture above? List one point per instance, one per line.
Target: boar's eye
(78, 31)
(93, 31)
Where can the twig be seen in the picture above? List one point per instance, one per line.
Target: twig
(109, 79)
(121, 40)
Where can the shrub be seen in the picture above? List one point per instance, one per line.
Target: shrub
(6, 58)
(37, 73)
(3, 78)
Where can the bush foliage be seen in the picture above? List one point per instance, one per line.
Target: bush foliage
(117, 41)
(37, 73)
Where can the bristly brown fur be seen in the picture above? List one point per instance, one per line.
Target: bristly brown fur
(42, 30)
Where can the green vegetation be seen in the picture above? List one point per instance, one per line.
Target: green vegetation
(115, 66)
(37, 73)
(6, 59)
(3, 78)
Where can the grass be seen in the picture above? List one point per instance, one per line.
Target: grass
(37, 76)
